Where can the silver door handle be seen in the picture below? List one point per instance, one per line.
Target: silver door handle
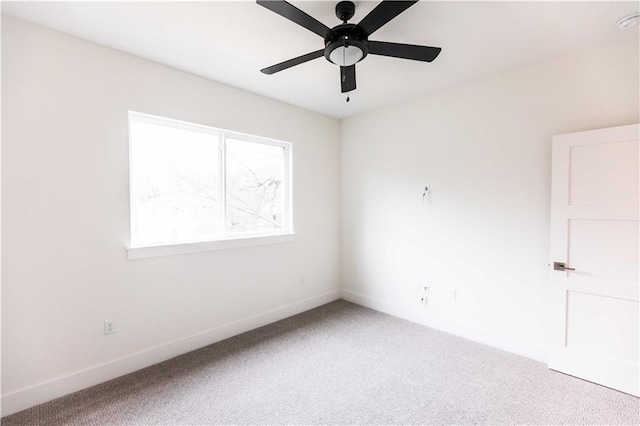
(561, 266)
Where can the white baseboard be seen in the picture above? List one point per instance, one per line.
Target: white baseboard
(517, 346)
(43, 392)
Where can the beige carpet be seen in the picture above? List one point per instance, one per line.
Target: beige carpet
(341, 364)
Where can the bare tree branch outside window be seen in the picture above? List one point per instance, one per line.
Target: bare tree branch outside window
(176, 191)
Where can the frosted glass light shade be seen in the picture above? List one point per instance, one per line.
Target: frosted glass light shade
(346, 56)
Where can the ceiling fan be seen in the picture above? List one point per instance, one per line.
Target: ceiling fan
(347, 44)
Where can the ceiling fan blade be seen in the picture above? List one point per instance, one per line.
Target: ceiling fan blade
(383, 13)
(292, 62)
(294, 14)
(404, 51)
(348, 78)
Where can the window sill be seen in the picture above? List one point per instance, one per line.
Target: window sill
(143, 252)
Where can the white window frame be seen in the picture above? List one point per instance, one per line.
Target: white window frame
(227, 240)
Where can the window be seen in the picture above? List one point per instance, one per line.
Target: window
(193, 183)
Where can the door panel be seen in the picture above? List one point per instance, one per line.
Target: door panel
(594, 321)
(593, 325)
(603, 174)
(604, 250)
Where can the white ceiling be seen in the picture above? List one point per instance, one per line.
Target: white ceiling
(231, 41)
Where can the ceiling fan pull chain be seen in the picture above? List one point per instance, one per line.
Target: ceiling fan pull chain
(344, 61)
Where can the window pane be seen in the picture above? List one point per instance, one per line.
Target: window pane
(255, 180)
(175, 191)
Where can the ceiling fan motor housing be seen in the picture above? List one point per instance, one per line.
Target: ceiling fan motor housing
(346, 45)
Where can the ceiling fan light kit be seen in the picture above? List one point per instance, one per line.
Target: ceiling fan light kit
(347, 44)
(345, 52)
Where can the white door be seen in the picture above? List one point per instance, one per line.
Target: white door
(594, 330)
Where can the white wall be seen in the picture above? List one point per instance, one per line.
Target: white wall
(484, 231)
(484, 147)
(66, 218)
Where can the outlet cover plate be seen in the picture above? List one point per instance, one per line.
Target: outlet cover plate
(109, 327)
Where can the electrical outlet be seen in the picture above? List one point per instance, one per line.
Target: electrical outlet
(302, 280)
(424, 293)
(426, 192)
(109, 326)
